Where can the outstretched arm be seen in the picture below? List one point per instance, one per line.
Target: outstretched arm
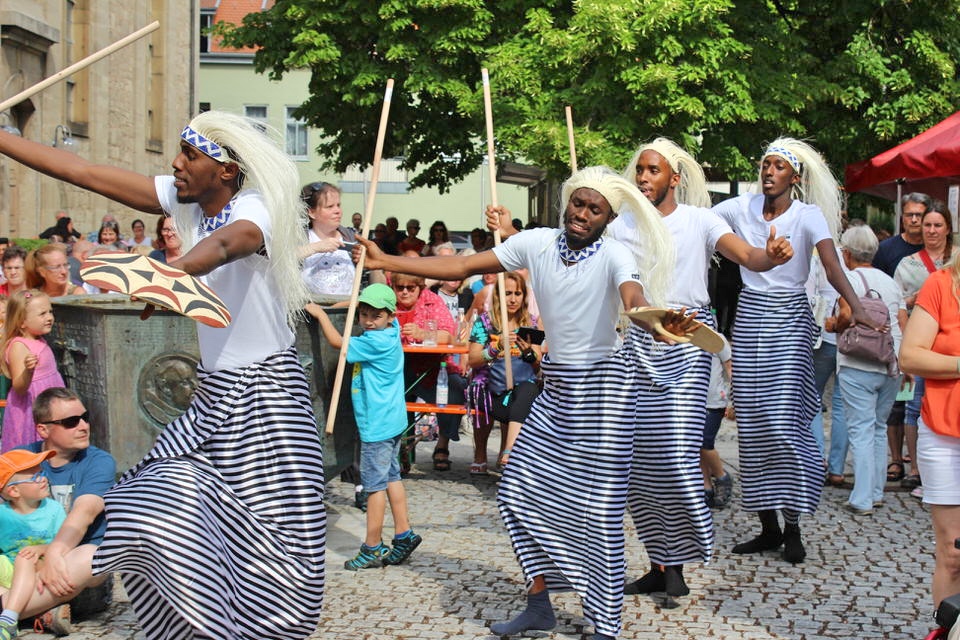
(776, 252)
(126, 187)
(438, 267)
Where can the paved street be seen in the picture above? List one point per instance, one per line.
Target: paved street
(865, 576)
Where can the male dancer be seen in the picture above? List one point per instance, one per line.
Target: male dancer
(219, 531)
(666, 485)
(562, 496)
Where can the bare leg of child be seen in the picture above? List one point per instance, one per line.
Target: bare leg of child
(376, 508)
(397, 496)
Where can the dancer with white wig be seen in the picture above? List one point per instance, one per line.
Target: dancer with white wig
(666, 483)
(780, 464)
(219, 531)
(562, 497)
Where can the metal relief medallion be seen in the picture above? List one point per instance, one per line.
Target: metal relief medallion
(166, 387)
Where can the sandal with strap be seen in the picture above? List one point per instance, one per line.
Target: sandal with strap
(441, 464)
(895, 471)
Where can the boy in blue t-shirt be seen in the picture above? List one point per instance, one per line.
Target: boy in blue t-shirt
(381, 414)
(29, 520)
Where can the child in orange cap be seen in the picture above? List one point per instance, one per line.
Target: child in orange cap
(29, 519)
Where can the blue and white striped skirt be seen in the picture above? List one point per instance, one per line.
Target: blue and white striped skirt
(219, 531)
(562, 497)
(775, 400)
(666, 483)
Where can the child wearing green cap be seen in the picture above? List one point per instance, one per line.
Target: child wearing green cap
(380, 410)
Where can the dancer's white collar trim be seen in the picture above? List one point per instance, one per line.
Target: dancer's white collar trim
(206, 146)
(786, 154)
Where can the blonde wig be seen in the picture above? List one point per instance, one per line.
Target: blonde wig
(817, 184)
(692, 189)
(265, 167)
(657, 257)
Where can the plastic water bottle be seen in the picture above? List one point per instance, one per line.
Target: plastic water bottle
(443, 386)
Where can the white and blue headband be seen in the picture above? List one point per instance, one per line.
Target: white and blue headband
(206, 146)
(786, 154)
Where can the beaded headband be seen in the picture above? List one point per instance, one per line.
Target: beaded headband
(206, 146)
(787, 155)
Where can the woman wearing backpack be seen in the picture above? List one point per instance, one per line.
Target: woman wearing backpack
(868, 385)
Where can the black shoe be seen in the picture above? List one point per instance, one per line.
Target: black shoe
(766, 541)
(793, 551)
(675, 584)
(653, 582)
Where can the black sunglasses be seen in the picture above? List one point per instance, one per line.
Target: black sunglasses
(71, 422)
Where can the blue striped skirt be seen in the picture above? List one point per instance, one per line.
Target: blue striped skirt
(563, 495)
(666, 485)
(775, 400)
(219, 531)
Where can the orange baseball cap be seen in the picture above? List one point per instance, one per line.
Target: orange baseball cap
(17, 460)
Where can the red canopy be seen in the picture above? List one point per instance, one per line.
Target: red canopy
(928, 163)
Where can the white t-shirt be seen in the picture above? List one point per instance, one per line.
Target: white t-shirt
(892, 296)
(579, 304)
(802, 224)
(259, 326)
(695, 234)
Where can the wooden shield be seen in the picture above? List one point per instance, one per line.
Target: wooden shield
(156, 283)
(700, 335)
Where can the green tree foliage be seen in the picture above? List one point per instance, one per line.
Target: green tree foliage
(721, 78)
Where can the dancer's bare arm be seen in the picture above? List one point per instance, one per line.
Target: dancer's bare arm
(126, 187)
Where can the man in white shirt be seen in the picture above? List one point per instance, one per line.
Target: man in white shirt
(186, 525)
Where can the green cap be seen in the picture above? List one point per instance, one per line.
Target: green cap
(379, 296)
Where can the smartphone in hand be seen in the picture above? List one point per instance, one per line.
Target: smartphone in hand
(531, 335)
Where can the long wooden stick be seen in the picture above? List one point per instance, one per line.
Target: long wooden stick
(355, 293)
(77, 66)
(573, 149)
(501, 284)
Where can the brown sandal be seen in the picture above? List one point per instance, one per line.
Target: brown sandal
(441, 464)
(895, 471)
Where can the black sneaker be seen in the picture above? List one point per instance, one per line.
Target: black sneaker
(402, 548)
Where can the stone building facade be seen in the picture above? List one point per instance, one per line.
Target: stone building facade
(126, 110)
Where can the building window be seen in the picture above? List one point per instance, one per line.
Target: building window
(296, 134)
(257, 112)
(206, 23)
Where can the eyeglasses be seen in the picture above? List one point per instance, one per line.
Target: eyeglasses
(37, 477)
(71, 422)
(56, 267)
(168, 232)
(406, 287)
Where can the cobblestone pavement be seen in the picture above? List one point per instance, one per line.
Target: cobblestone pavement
(864, 577)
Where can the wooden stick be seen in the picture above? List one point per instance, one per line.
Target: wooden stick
(358, 274)
(573, 149)
(77, 66)
(501, 283)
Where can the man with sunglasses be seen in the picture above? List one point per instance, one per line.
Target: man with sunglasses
(78, 475)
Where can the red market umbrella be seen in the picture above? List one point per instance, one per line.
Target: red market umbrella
(928, 163)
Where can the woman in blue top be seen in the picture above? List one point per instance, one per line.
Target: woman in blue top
(488, 393)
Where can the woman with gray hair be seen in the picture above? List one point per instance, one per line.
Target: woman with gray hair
(868, 387)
